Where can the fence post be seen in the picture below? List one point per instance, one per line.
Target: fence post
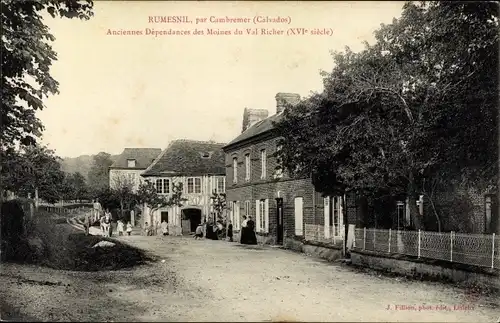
(389, 240)
(317, 233)
(452, 235)
(364, 238)
(493, 251)
(419, 242)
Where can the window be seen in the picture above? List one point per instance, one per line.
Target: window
(263, 163)
(221, 185)
(130, 162)
(299, 216)
(247, 167)
(162, 186)
(333, 216)
(278, 170)
(235, 170)
(159, 186)
(194, 185)
(166, 186)
(262, 215)
(247, 208)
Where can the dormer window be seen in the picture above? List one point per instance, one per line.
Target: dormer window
(130, 162)
(206, 154)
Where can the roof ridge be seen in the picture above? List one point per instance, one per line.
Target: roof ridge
(198, 141)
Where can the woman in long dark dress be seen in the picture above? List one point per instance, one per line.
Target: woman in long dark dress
(251, 237)
(230, 231)
(243, 231)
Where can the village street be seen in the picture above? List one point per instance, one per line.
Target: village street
(205, 280)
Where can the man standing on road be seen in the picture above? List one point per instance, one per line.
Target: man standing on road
(97, 209)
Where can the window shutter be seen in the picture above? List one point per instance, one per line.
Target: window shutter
(233, 213)
(326, 210)
(266, 214)
(257, 214)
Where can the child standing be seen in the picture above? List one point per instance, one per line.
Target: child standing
(119, 227)
(129, 228)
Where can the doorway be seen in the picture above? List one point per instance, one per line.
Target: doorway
(190, 220)
(164, 216)
(279, 221)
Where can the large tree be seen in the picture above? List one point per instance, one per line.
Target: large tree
(98, 177)
(123, 189)
(34, 168)
(419, 104)
(26, 60)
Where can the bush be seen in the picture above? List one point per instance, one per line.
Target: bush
(12, 228)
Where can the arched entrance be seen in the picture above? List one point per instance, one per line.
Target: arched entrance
(191, 217)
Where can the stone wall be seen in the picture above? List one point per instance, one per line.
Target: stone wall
(433, 270)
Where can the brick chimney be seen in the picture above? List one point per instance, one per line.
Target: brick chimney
(284, 99)
(252, 116)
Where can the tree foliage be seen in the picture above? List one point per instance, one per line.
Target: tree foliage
(98, 177)
(26, 60)
(75, 187)
(219, 206)
(148, 195)
(419, 104)
(123, 189)
(33, 168)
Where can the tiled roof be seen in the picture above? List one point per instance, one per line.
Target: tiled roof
(189, 157)
(143, 157)
(257, 129)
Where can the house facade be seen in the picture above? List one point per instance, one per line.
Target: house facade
(258, 186)
(129, 165)
(199, 166)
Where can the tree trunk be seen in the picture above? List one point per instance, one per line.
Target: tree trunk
(438, 220)
(414, 212)
(121, 209)
(346, 225)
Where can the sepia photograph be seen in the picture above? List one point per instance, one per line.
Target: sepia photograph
(249, 161)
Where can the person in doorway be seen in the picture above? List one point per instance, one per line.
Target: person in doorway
(164, 228)
(120, 227)
(129, 228)
(243, 231)
(251, 237)
(230, 231)
(199, 232)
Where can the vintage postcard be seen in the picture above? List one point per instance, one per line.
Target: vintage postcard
(250, 161)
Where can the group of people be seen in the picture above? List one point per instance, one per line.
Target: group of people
(247, 231)
(151, 230)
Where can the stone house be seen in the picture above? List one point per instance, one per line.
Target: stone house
(199, 166)
(127, 168)
(257, 185)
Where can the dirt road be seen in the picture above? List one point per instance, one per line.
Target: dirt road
(204, 280)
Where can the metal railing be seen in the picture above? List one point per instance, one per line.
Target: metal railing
(472, 249)
(332, 235)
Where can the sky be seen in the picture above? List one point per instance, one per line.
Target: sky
(120, 91)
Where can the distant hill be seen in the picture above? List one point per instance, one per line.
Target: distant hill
(80, 164)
